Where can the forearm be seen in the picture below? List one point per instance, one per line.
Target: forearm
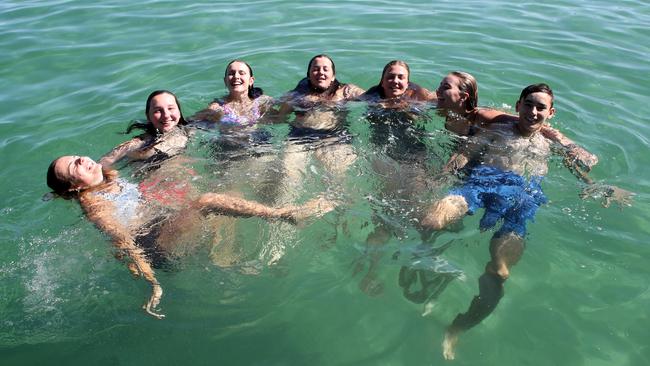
(100, 212)
(120, 152)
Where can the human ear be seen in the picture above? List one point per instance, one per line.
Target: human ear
(517, 106)
(551, 113)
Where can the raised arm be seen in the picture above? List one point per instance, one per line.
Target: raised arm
(101, 213)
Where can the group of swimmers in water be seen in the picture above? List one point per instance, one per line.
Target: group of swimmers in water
(499, 158)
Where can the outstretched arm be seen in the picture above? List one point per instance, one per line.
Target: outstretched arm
(575, 156)
(100, 212)
(352, 92)
(213, 113)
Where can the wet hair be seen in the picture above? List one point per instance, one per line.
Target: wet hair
(58, 185)
(467, 84)
(378, 89)
(63, 187)
(148, 126)
(537, 88)
(334, 85)
(253, 92)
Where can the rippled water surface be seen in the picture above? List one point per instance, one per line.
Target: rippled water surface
(75, 73)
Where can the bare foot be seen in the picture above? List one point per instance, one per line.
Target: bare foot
(449, 344)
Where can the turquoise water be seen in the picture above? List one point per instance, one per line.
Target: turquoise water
(74, 74)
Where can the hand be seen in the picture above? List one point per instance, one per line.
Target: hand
(608, 194)
(154, 300)
(455, 163)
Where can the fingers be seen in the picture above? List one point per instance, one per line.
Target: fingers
(154, 300)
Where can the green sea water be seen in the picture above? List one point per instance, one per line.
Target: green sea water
(74, 73)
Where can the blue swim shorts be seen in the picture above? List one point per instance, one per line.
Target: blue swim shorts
(504, 195)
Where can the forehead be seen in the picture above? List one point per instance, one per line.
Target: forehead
(237, 66)
(396, 70)
(162, 100)
(61, 167)
(538, 98)
(452, 80)
(321, 61)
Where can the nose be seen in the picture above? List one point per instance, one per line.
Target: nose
(82, 161)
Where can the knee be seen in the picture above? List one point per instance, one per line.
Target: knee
(433, 222)
(498, 270)
(444, 212)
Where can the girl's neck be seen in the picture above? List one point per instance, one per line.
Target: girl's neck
(238, 98)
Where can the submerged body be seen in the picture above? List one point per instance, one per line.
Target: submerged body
(505, 162)
(130, 214)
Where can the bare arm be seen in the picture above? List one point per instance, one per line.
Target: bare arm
(352, 92)
(286, 108)
(489, 115)
(575, 156)
(213, 113)
(121, 151)
(101, 213)
(422, 94)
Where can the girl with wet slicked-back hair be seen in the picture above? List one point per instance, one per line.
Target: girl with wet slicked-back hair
(395, 88)
(335, 89)
(244, 105)
(318, 104)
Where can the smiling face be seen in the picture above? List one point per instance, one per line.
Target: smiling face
(78, 171)
(534, 109)
(163, 112)
(321, 73)
(450, 96)
(395, 81)
(238, 78)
